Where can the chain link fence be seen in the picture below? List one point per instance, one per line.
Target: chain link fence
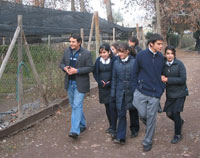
(46, 59)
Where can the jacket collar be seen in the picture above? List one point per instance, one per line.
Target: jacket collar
(174, 62)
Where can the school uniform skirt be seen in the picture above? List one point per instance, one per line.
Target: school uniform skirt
(104, 95)
(174, 104)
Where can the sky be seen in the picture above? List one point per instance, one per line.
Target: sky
(130, 18)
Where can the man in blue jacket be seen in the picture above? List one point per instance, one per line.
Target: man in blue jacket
(148, 86)
(77, 64)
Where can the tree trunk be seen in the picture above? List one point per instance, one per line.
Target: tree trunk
(19, 1)
(82, 6)
(36, 3)
(180, 41)
(73, 6)
(158, 19)
(42, 3)
(108, 10)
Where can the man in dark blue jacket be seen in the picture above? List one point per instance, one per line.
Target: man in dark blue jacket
(148, 86)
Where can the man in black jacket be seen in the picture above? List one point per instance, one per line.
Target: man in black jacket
(77, 64)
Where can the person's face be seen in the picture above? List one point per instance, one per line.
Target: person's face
(157, 46)
(114, 50)
(123, 54)
(104, 54)
(131, 44)
(74, 44)
(169, 55)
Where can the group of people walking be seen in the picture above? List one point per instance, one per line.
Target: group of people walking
(129, 79)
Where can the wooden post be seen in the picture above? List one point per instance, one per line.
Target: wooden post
(20, 74)
(97, 33)
(82, 36)
(3, 41)
(113, 35)
(137, 31)
(11, 46)
(91, 33)
(143, 39)
(158, 18)
(49, 41)
(35, 74)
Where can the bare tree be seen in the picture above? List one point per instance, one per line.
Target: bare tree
(73, 5)
(82, 6)
(19, 1)
(108, 10)
(42, 2)
(36, 3)
(158, 18)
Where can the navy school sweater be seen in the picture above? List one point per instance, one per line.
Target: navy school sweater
(147, 73)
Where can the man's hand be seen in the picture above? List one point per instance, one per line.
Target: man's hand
(66, 68)
(70, 70)
(164, 79)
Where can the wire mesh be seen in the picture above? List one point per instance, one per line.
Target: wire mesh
(46, 59)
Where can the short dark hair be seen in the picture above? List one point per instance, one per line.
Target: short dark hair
(155, 37)
(105, 46)
(77, 37)
(122, 47)
(172, 49)
(134, 39)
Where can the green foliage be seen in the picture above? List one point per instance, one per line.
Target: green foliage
(148, 35)
(44, 59)
(196, 34)
(173, 39)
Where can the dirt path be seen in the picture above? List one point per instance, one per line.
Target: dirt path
(49, 138)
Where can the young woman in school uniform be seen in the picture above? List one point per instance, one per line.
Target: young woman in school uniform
(174, 75)
(103, 76)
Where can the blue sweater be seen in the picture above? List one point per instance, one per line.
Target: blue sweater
(147, 73)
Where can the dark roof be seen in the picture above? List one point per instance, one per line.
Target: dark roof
(44, 21)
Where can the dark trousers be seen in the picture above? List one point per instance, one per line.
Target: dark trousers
(113, 115)
(121, 128)
(176, 117)
(134, 120)
(108, 114)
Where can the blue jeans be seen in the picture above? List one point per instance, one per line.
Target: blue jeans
(76, 102)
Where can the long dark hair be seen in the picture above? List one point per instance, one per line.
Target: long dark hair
(132, 51)
(172, 49)
(134, 39)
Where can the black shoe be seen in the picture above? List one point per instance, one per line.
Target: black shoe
(160, 110)
(109, 130)
(176, 139)
(134, 134)
(82, 129)
(73, 135)
(119, 141)
(113, 136)
(147, 147)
